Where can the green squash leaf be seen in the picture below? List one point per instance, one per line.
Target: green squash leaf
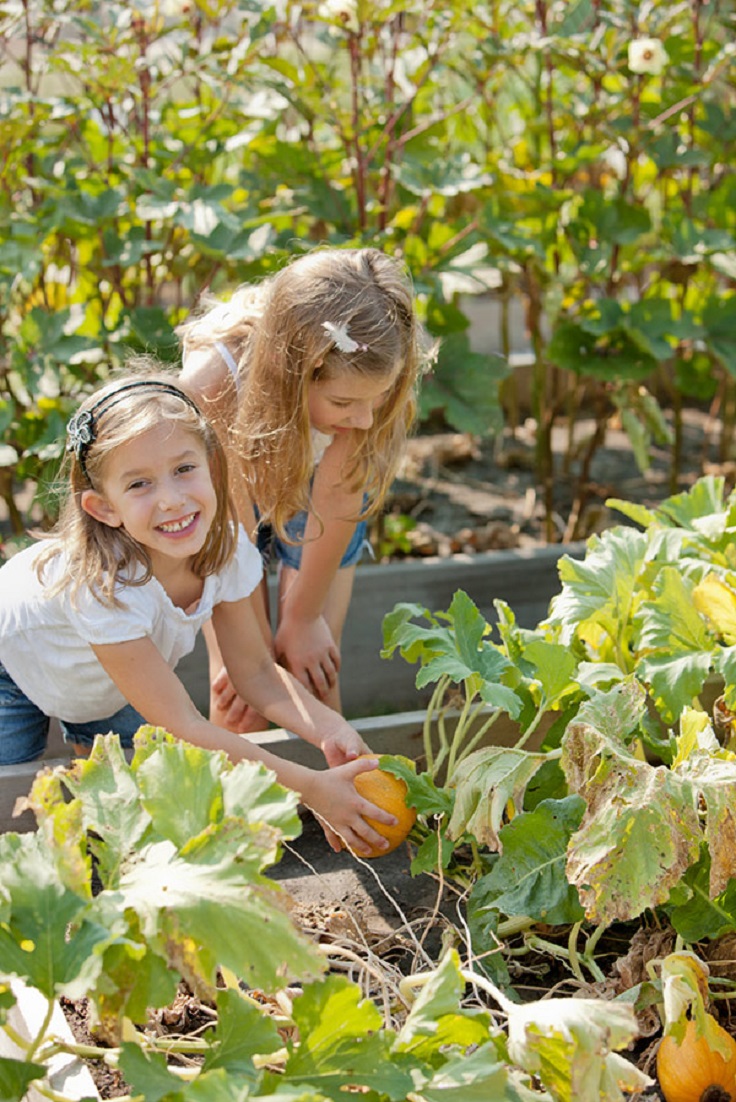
(529, 876)
(343, 1045)
(487, 782)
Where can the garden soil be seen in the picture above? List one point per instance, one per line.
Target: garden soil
(462, 495)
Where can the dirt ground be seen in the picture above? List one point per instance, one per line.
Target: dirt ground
(466, 495)
(374, 901)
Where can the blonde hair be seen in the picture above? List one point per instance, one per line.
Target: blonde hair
(231, 321)
(286, 336)
(101, 557)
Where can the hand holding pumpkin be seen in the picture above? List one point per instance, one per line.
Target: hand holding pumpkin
(389, 793)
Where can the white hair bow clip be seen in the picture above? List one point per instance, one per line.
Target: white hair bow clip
(342, 339)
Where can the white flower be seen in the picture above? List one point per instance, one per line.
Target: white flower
(647, 55)
(346, 11)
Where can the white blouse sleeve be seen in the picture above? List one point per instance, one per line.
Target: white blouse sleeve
(98, 624)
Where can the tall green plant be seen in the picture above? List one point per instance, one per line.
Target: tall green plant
(158, 152)
(571, 156)
(609, 127)
(115, 208)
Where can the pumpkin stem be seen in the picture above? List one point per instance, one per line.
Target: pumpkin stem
(716, 1093)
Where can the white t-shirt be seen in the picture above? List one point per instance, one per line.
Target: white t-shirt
(45, 642)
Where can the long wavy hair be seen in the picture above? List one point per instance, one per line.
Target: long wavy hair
(103, 558)
(277, 334)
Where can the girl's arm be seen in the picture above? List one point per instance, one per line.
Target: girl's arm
(303, 640)
(229, 709)
(272, 689)
(152, 687)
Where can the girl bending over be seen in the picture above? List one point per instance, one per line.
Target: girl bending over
(93, 619)
(310, 380)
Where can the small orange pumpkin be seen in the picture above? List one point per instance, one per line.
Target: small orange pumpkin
(389, 793)
(693, 1071)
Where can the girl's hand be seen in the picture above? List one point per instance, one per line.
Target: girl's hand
(230, 711)
(343, 745)
(308, 651)
(332, 796)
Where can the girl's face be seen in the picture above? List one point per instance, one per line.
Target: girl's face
(159, 488)
(348, 401)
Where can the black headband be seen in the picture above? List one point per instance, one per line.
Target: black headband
(81, 431)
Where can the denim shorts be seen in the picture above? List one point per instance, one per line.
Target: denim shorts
(24, 728)
(290, 554)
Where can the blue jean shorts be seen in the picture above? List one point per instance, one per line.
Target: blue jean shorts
(24, 728)
(290, 554)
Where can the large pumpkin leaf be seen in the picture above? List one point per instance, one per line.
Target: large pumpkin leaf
(572, 1045)
(243, 1031)
(47, 936)
(644, 824)
(601, 591)
(436, 1020)
(343, 1045)
(208, 913)
(16, 1076)
(717, 602)
(486, 783)
(638, 836)
(182, 837)
(476, 1076)
(676, 643)
(713, 778)
(529, 876)
(459, 651)
(107, 800)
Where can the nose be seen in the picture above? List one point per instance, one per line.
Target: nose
(363, 416)
(171, 495)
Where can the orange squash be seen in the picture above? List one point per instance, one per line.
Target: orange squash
(693, 1071)
(389, 793)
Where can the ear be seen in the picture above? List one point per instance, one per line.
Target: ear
(99, 508)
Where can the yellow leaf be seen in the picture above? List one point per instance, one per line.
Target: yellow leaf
(717, 602)
(130, 1033)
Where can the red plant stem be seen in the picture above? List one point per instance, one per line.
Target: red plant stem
(360, 162)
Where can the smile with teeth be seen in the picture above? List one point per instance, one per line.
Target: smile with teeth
(178, 525)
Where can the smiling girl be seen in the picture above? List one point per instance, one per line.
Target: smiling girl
(94, 618)
(310, 380)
